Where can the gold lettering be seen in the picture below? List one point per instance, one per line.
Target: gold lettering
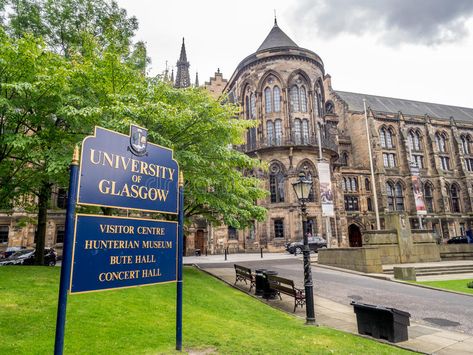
(92, 151)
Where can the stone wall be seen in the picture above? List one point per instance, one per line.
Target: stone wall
(365, 259)
(456, 251)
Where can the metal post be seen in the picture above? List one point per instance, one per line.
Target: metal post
(261, 249)
(373, 183)
(225, 254)
(67, 254)
(180, 238)
(309, 295)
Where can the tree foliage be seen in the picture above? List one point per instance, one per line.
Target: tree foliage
(67, 65)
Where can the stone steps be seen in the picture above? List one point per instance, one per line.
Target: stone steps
(439, 270)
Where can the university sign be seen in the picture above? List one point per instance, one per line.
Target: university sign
(127, 172)
(108, 252)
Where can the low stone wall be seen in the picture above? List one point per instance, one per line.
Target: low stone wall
(456, 251)
(364, 259)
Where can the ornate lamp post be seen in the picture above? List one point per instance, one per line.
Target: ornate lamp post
(302, 188)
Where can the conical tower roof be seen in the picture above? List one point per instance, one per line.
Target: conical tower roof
(277, 38)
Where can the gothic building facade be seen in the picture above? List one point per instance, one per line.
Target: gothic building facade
(302, 121)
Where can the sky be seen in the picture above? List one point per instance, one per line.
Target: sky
(411, 49)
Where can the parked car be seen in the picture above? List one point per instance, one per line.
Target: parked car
(315, 243)
(27, 256)
(463, 239)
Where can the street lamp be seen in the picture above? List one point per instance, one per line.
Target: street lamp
(302, 188)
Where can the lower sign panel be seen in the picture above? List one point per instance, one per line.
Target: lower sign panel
(114, 252)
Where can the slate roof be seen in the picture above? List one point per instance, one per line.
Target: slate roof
(277, 38)
(408, 107)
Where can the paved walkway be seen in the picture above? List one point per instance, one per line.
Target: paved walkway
(422, 338)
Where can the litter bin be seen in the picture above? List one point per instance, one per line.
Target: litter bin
(268, 292)
(259, 281)
(382, 322)
(197, 252)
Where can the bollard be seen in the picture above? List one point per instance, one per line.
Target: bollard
(261, 253)
(225, 254)
(205, 251)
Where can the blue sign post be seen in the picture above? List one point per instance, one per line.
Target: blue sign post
(108, 252)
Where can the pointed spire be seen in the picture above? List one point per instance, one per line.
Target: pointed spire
(277, 38)
(196, 79)
(172, 75)
(166, 72)
(182, 75)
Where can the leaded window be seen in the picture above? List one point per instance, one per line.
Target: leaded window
(232, 233)
(428, 197)
(278, 132)
(465, 143)
(445, 163)
(277, 99)
(270, 132)
(414, 141)
(305, 131)
(386, 137)
(60, 232)
(395, 196)
(351, 203)
(294, 98)
(441, 141)
(267, 100)
(297, 131)
(399, 197)
(276, 183)
(455, 198)
(252, 106)
(303, 99)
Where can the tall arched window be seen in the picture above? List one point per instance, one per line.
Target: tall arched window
(277, 99)
(278, 131)
(297, 131)
(270, 132)
(414, 140)
(267, 100)
(465, 140)
(455, 198)
(276, 183)
(386, 137)
(441, 141)
(252, 106)
(428, 197)
(303, 99)
(305, 131)
(294, 98)
(390, 196)
(399, 197)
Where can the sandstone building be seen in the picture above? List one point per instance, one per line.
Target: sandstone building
(302, 120)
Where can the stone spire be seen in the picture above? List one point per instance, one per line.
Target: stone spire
(197, 79)
(172, 75)
(182, 75)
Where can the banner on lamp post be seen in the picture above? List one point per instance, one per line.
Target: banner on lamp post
(326, 194)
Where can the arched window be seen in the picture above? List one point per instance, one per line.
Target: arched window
(399, 197)
(386, 137)
(294, 98)
(455, 198)
(369, 204)
(465, 144)
(270, 132)
(267, 100)
(277, 99)
(297, 131)
(303, 99)
(278, 131)
(276, 183)
(414, 140)
(305, 131)
(441, 141)
(247, 106)
(252, 106)
(428, 197)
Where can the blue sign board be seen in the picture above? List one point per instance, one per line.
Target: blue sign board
(113, 252)
(128, 172)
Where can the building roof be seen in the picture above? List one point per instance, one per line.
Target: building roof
(408, 107)
(277, 38)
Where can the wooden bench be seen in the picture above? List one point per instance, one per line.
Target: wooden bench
(286, 286)
(244, 274)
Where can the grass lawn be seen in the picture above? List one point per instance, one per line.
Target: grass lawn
(454, 285)
(141, 320)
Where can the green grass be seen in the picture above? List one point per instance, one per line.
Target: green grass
(453, 285)
(142, 320)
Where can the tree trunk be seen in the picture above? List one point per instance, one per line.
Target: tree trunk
(43, 203)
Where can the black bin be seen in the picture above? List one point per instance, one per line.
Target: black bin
(259, 281)
(268, 292)
(382, 322)
(197, 252)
